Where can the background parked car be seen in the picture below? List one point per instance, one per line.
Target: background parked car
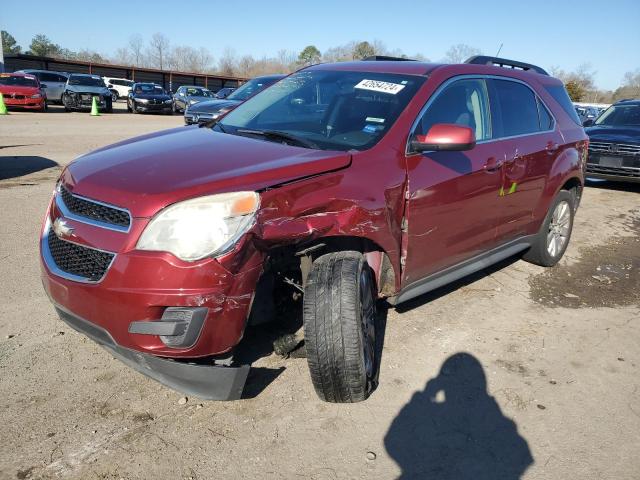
(52, 82)
(80, 91)
(186, 96)
(224, 92)
(22, 90)
(120, 87)
(202, 112)
(149, 97)
(614, 143)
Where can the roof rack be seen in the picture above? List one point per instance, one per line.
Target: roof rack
(503, 62)
(385, 58)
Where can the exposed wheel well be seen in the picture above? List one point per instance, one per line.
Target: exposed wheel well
(287, 268)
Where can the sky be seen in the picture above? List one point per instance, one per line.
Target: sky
(563, 33)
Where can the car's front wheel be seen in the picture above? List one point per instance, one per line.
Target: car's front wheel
(108, 105)
(339, 327)
(553, 238)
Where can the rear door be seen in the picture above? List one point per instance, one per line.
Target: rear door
(451, 213)
(526, 135)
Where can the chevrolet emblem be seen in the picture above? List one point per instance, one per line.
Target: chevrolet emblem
(61, 229)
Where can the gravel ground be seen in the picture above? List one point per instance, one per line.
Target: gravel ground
(517, 372)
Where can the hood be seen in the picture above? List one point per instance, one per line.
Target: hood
(88, 89)
(152, 96)
(627, 134)
(147, 173)
(19, 90)
(198, 98)
(213, 106)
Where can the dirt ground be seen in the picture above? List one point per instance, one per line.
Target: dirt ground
(517, 372)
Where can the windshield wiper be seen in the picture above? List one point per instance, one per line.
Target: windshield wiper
(277, 135)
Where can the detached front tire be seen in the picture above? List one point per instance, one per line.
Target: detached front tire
(553, 238)
(339, 327)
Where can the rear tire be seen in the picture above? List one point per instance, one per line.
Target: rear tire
(553, 238)
(108, 108)
(339, 327)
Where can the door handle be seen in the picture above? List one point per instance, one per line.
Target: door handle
(492, 164)
(551, 147)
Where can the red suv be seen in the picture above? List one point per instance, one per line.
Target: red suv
(337, 186)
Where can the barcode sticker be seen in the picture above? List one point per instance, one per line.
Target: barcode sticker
(377, 86)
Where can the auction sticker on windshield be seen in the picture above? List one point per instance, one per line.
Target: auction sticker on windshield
(377, 86)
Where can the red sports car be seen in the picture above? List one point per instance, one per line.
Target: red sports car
(23, 91)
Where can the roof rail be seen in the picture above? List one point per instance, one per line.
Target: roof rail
(385, 58)
(503, 62)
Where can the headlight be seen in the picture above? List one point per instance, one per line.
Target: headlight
(191, 102)
(168, 101)
(142, 100)
(201, 227)
(37, 95)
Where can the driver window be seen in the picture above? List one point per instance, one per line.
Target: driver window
(464, 102)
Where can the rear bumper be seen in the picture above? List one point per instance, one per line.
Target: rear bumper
(209, 382)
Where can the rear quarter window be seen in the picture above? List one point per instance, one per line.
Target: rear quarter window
(560, 95)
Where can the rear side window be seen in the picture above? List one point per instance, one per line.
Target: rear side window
(48, 77)
(514, 109)
(464, 102)
(560, 95)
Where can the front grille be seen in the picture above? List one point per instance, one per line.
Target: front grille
(614, 148)
(84, 262)
(95, 211)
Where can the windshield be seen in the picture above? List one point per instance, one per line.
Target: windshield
(86, 81)
(335, 110)
(149, 89)
(251, 88)
(199, 92)
(620, 116)
(18, 81)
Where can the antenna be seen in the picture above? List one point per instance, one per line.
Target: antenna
(497, 54)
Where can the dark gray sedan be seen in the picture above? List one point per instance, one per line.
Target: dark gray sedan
(186, 96)
(203, 112)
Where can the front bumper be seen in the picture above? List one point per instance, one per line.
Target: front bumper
(209, 382)
(613, 166)
(153, 107)
(27, 103)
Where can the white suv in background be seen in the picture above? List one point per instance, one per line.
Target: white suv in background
(120, 87)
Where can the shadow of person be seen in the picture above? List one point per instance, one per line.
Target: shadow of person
(453, 430)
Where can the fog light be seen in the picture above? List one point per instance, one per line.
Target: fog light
(190, 320)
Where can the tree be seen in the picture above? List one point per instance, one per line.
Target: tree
(158, 50)
(309, 55)
(460, 52)
(43, 47)
(9, 44)
(575, 90)
(136, 44)
(227, 62)
(363, 50)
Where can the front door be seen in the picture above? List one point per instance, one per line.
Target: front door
(451, 212)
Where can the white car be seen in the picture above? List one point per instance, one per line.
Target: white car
(120, 87)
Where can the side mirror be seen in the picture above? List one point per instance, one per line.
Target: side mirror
(109, 85)
(588, 122)
(445, 137)
(43, 86)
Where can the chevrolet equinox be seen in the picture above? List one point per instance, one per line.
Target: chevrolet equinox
(340, 185)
